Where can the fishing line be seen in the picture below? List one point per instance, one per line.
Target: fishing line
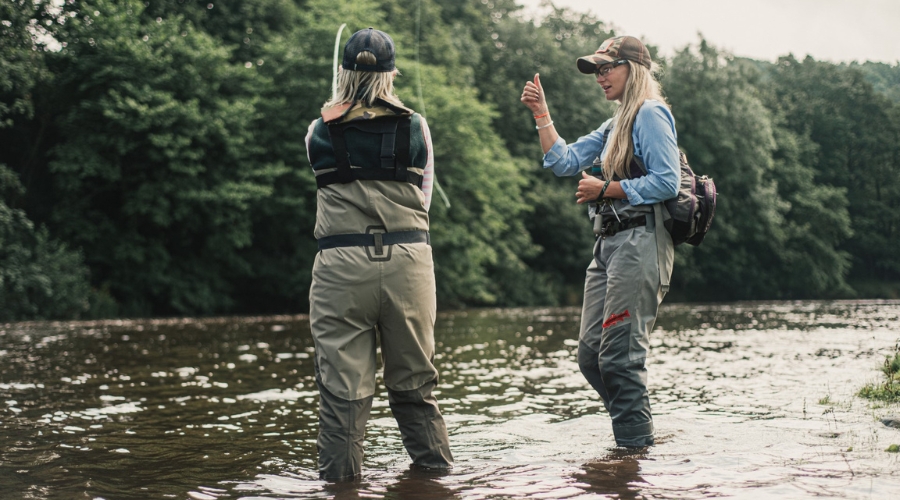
(437, 186)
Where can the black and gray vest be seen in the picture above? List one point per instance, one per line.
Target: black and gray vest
(361, 143)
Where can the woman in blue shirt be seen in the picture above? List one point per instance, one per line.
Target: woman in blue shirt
(635, 166)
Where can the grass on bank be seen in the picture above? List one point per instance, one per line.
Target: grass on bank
(889, 389)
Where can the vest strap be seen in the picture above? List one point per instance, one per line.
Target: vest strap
(369, 174)
(394, 160)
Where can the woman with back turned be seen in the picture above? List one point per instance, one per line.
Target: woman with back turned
(635, 165)
(373, 278)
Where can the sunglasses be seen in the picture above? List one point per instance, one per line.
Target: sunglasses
(606, 68)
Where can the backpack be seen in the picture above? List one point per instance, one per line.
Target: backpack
(691, 211)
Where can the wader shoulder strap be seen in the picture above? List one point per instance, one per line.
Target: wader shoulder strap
(665, 249)
(597, 167)
(393, 160)
(635, 170)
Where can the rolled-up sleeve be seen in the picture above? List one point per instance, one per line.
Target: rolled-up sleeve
(569, 159)
(656, 144)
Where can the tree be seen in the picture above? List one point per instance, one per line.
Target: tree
(767, 199)
(156, 162)
(39, 276)
(857, 133)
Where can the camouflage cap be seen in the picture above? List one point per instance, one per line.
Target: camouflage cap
(613, 49)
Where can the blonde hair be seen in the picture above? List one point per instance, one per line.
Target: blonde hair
(641, 85)
(364, 86)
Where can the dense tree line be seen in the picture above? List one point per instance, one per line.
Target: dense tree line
(152, 158)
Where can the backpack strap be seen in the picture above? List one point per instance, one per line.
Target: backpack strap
(343, 174)
(597, 167)
(664, 246)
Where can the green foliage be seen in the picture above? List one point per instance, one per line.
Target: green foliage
(482, 233)
(726, 134)
(771, 214)
(158, 163)
(857, 136)
(511, 52)
(160, 143)
(39, 276)
(20, 65)
(885, 78)
(889, 389)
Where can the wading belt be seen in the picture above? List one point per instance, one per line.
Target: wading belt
(609, 227)
(393, 161)
(377, 240)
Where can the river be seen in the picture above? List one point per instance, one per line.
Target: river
(750, 400)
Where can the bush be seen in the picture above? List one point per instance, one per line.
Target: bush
(39, 277)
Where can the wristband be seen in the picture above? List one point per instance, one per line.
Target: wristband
(603, 191)
(541, 116)
(543, 126)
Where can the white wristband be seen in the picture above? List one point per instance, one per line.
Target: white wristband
(543, 126)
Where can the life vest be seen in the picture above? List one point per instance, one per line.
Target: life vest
(381, 145)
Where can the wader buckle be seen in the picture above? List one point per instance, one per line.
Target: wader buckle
(610, 227)
(379, 256)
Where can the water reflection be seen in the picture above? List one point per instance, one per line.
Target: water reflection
(751, 400)
(617, 475)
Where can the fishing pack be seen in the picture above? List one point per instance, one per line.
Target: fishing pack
(692, 210)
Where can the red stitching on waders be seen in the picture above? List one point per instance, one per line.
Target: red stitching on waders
(616, 318)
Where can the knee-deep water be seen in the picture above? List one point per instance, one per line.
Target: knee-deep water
(750, 400)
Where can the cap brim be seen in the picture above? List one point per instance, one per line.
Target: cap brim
(589, 64)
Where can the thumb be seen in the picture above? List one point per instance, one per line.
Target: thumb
(584, 175)
(537, 80)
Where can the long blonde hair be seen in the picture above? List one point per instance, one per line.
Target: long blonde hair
(364, 86)
(641, 85)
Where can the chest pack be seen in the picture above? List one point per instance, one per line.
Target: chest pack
(388, 134)
(691, 211)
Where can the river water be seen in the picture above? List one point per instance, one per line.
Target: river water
(751, 400)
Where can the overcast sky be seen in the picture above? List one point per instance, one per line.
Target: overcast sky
(828, 30)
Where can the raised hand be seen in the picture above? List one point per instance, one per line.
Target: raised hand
(533, 96)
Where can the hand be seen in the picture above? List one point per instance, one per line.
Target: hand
(533, 96)
(588, 188)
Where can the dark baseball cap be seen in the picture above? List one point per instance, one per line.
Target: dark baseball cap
(613, 49)
(371, 40)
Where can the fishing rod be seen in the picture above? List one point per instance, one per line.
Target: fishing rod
(337, 46)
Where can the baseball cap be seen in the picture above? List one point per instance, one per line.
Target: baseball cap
(369, 40)
(613, 49)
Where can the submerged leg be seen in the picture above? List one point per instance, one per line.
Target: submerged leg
(422, 426)
(407, 348)
(625, 379)
(342, 432)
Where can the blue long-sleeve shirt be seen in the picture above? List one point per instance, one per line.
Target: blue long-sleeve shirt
(655, 143)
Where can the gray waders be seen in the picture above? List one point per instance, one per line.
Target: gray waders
(352, 298)
(622, 292)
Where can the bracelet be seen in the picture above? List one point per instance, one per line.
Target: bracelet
(603, 191)
(543, 126)
(541, 116)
